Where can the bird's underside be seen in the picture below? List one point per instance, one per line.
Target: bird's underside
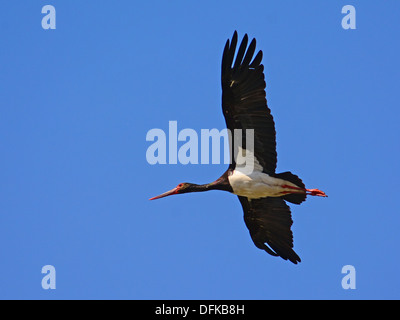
(266, 214)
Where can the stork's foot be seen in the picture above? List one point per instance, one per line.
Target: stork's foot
(316, 192)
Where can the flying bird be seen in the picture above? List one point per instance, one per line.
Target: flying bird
(262, 192)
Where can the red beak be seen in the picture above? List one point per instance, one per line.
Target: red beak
(165, 194)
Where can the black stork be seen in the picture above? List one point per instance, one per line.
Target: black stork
(262, 192)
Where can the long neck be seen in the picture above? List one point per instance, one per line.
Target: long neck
(221, 183)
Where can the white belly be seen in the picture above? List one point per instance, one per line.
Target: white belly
(257, 185)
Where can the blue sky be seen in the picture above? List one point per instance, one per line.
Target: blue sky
(78, 101)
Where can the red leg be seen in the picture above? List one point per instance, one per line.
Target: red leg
(316, 192)
(311, 192)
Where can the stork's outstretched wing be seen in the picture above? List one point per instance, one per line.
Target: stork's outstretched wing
(269, 221)
(243, 101)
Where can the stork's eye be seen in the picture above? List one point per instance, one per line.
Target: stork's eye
(180, 185)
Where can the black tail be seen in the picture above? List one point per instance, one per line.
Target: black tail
(295, 198)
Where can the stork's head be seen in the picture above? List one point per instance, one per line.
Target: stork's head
(180, 188)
